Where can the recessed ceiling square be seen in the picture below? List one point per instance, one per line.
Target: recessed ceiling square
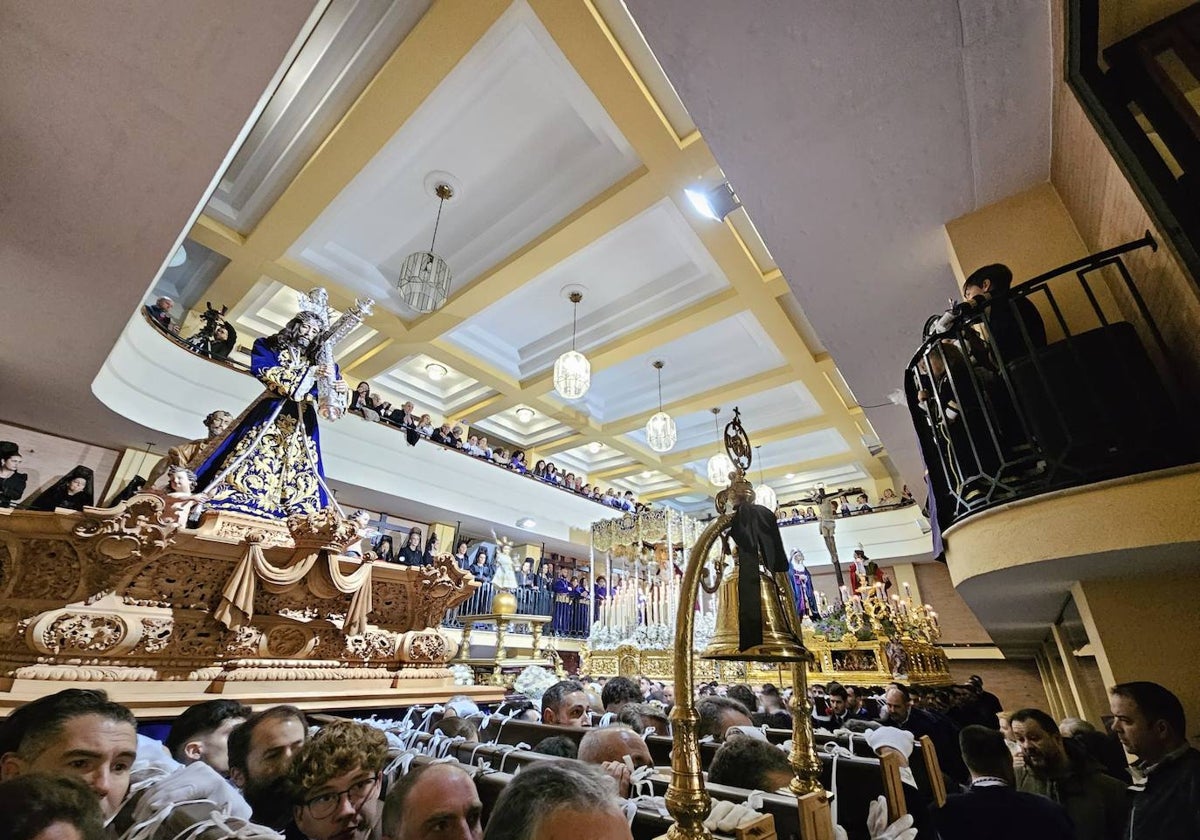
(522, 135)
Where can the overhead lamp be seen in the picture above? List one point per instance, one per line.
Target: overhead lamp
(595, 446)
(436, 371)
(790, 476)
(646, 473)
(178, 258)
(525, 414)
(424, 281)
(526, 522)
(660, 429)
(763, 494)
(714, 203)
(572, 370)
(719, 465)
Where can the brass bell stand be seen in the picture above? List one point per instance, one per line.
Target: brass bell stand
(687, 799)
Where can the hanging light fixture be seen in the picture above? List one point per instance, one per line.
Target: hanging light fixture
(719, 465)
(424, 281)
(660, 429)
(763, 495)
(572, 370)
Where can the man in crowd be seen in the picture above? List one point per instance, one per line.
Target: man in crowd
(78, 733)
(854, 705)
(558, 801)
(609, 746)
(566, 703)
(436, 801)
(260, 755)
(643, 717)
(987, 705)
(752, 764)
(1151, 724)
(745, 695)
(41, 807)
(202, 733)
(992, 809)
(774, 712)
(1061, 770)
(718, 715)
(837, 710)
(618, 692)
(334, 783)
(160, 312)
(901, 714)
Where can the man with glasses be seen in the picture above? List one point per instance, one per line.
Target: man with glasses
(334, 783)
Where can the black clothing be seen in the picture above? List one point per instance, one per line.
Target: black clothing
(56, 496)
(1000, 813)
(1168, 808)
(944, 735)
(161, 317)
(444, 439)
(1004, 316)
(383, 548)
(410, 556)
(12, 488)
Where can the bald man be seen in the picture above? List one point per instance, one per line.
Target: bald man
(608, 747)
(437, 800)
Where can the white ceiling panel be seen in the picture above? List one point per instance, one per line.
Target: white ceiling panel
(647, 481)
(637, 274)
(550, 148)
(411, 380)
(743, 349)
(511, 425)
(591, 457)
(271, 305)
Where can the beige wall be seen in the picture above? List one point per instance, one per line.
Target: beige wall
(49, 457)
(1015, 681)
(1107, 212)
(1146, 629)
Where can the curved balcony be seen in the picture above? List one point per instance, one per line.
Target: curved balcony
(1003, 414)
(155, 380)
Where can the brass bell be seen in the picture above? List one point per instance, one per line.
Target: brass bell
(781, 639)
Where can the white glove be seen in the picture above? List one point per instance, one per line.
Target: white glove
(839, 833)
(877, 824)
(727, 816)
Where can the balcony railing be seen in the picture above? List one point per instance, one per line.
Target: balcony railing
(571, 618)
(1005, 419)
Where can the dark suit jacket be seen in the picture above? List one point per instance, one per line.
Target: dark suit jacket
(1001, 813)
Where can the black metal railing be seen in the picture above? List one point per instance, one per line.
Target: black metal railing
(1002, 413)
(570, 617)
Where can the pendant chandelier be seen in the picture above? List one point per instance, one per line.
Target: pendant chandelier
(424, 281)
(572, 370)
(660, 429)
(764, 495)
(719, 465)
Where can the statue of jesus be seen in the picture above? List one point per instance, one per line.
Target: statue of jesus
(269, 465)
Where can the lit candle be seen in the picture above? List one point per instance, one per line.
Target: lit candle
(907, 593)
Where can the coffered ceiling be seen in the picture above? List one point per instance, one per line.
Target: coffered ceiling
(569, 153)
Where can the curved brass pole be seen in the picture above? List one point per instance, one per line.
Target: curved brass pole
(687, 800)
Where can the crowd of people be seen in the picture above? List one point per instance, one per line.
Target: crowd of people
(791, 513)
(72, 491)
(75, 765)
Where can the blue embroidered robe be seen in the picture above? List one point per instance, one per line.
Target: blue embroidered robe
(279, 477)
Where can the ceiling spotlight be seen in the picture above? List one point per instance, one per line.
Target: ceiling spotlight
(435, 371)
(525, 522)
(646, 473)
(790, 475)
(715, 203)
(595, 446)
(525, 414)
(178, 258)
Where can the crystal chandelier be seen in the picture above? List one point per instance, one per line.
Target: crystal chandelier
(424, 281)
(763, 494)
(719, 465)
(572, 370)
(660, 429)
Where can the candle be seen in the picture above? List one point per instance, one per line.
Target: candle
(845, 593)
(907, 592)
